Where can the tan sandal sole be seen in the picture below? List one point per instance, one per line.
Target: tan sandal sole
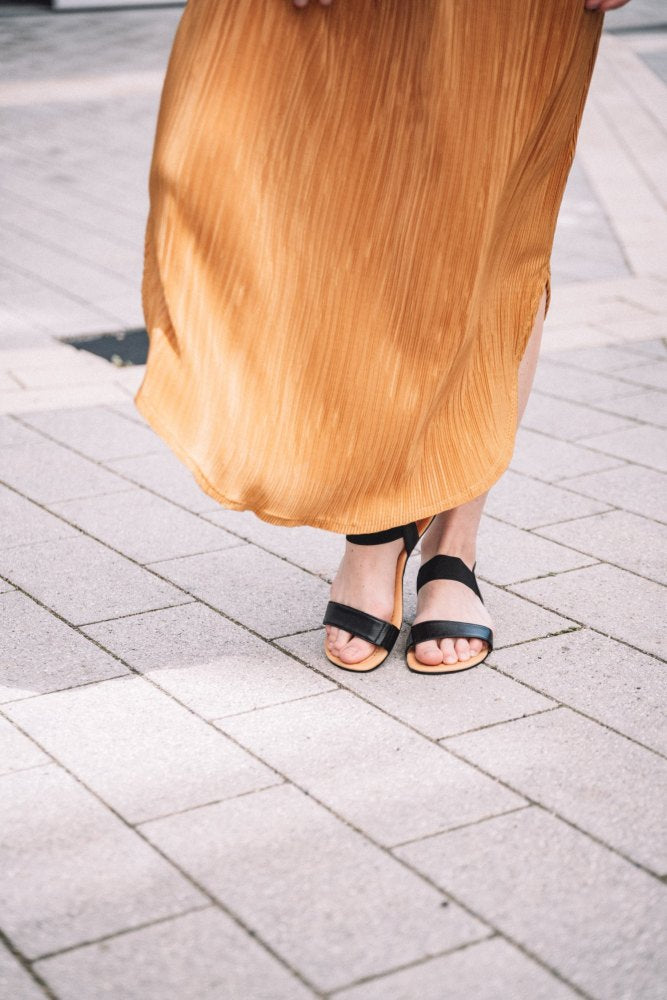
(418, 667)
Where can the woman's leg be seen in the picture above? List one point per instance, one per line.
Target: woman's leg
(454, 533)
(365, 578)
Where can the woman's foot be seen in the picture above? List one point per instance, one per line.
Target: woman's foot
(450, 600)
(365, 580)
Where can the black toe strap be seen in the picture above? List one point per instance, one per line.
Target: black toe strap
(375, 630)
(448, 568)
(424, 631)
(408, 532)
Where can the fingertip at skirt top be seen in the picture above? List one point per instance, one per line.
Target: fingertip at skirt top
(352, 211)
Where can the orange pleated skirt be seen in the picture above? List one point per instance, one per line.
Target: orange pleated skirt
(352, 211)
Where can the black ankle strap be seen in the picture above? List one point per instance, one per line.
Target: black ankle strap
(448, 568)
(408, 532)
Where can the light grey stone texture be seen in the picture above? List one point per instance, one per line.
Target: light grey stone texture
(609, 359)
(653, 375)
(143, 526)
(15, 982)
(489, 970)
(529, 503)
(253, 587)
(330, 903)
(431, 705)
(165, 475)
(24, 523)
(17, 752)
(549, 459)
(210, 664)
(650, 407)
(72, 871)
(615, 602)
(13, 434)
(412, 790)
(585, 773)
(47, 472)
(317, 551)
(644, 445)
(577, 384)
(124, 727)
(202, 955)
(84, 581)
(39, 653)
(96, 432)
(566, 420)
(508, 554)
(627, 540)
(609, 681)
(631, 487)
(586, 912)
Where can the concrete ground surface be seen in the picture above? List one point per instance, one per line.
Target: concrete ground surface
(194, 802)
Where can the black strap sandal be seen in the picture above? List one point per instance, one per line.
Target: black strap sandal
(447, 568)
(383, 634)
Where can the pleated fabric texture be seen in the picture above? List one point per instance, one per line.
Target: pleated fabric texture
(352, 211)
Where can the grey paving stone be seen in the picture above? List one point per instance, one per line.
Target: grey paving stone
(653, 375)
(577, 384)
(632, 487)
(333, 905)
(162, 473)
(215, 667)
(594, 917)
(649, 407)
(143, 526)
(15, 982)
(508, 554)
(96, 432)
(566, 420)
(617, 537)
(24, 523)
(17, 752)
(548, 459)
(611, 682)
(529, 503)
(412, 789)
(200, 956)
(47, 472)
(254, 587)
(13, 433)
(317, 551)
(488, 970)
(479, 697)
(107, 731)
(643, 445)
(72, 871)
(84, 581)
(611, 600)
(610, 358)
(585, 773)
(39, 653)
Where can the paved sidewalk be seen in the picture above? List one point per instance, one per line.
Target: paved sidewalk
(194, 803)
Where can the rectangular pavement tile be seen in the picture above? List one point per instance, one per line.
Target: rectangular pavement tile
(97, 432)
(84, 581)
(587, 913)
(548, 459)
(529, 503)
(72, 871)
(386, 780)
(631, 487)
(566, 420)
(614, 602)
(24, 523)
(105, 732)
(40, 653)
(215, 667)
(333, 905)
(472, 698)
(488, 970)
(144, 526)
(650, 407)
(15, 982)
(509, 554)
(643, 445)
(607, 359)
(18, 752)
(596, 779)
(577, 384)
(611, 682)
(252, 586)
(13, 433)
(162, 473)
(203, 955)
(653, 375)
(47, 472)
(626, 540)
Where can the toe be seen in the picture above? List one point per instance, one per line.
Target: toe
(449, 654)
(476, 646)
(428, 652)
(462, 649)
(356, 650)
(340, 640)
